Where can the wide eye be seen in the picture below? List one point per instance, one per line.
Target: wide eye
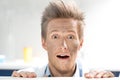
(55, 36)
(70, 37)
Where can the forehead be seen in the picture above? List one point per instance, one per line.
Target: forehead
(62, 24)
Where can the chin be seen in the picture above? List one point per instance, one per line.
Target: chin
(64, 68)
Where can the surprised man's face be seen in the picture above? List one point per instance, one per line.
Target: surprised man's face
(62, 43)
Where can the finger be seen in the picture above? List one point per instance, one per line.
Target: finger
(23, 74)
(91, 74)
(31, 75)
(108, 74)
(86, 75)
(15, 74)
(100, 74)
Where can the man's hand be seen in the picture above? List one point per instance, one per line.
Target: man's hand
(24, 74)
(100, 74)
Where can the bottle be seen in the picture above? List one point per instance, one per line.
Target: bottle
(27, 54)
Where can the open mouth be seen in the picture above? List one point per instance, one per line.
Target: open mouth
(63, 56)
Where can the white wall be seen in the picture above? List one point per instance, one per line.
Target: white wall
(20, 26)
(102, 47)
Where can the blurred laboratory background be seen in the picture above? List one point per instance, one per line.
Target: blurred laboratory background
(20, 30)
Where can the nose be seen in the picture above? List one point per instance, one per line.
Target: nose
(64, 45)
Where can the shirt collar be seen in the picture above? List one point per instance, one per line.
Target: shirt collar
(78, 72)
(47, 72)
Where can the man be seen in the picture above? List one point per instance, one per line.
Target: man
(62, 38)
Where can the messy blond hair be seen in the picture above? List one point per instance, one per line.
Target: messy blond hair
(60, 9)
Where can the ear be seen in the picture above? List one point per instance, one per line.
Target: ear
(44, 45)
(81, 44)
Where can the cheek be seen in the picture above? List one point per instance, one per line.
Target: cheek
(73, 46)
(51, 46)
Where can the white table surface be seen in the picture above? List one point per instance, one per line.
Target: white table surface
(55, 78)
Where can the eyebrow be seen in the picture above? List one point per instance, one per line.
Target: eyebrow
(71, 31)
(54, 31)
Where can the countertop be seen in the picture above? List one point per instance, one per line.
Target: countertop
(56, 78)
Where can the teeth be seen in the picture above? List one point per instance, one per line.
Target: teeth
(62, 55)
